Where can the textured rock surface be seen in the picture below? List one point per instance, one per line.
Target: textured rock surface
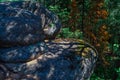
(24, 55)
(63, 59)
(21, 53)
(23, 23)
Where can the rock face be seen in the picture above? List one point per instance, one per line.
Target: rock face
(53, 60)
(23, 23)
(24, 55)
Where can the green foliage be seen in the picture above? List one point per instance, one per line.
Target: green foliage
(62, 13)
(113, 21)
(118, 72)
(111, 72)
(66, 33)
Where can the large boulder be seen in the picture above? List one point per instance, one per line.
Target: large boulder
(60, 59)
(24, 55)
(26, 22)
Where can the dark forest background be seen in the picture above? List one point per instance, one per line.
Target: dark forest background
(95, 21)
